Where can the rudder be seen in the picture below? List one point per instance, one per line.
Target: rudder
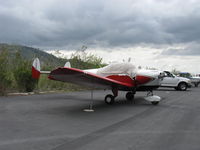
(36, 69)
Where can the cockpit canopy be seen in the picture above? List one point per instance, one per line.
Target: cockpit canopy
(118, 69)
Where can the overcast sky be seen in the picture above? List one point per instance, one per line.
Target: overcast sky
(161, 33)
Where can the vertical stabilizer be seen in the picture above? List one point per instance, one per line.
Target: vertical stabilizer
(36, 68)
(67, 64)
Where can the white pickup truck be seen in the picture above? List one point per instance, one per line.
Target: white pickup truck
(171, 80)
(195, 80)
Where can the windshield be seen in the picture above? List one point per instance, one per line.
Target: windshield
(168, 74)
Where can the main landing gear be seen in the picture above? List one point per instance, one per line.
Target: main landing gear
(130, 96)
(110, 99)
(153, 99)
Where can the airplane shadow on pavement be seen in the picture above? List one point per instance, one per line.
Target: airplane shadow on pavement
(99, 106)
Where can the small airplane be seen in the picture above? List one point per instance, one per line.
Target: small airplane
(117, 76)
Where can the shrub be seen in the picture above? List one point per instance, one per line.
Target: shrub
(23, 75)
(5, 80)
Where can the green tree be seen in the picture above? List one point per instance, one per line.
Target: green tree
(5, 75)
(23, 75)
(83, 60)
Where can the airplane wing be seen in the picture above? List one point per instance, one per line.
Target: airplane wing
(84, 78)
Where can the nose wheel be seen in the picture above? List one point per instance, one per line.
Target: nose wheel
(152, 98)
(109, 99)
(154, 103)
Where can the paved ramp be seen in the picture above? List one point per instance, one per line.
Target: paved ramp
(57, 122)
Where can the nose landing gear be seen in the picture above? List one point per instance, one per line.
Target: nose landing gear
(154, 99)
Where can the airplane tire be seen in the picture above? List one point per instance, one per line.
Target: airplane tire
(182, 86)
(109, 99)
(129, 96)
(154, 103)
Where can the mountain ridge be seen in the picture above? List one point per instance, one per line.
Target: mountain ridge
(29, 53)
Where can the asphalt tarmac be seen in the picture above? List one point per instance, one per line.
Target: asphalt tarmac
(58, 122)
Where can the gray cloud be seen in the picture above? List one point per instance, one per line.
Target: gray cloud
(113, 23)
(192, 49)
(184, 29)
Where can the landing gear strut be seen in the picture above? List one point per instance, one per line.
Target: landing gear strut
(150, 93)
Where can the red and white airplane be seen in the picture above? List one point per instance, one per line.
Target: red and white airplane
(117, 76)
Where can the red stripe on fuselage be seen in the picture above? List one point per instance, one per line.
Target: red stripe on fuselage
(143, 79)
(124, 79)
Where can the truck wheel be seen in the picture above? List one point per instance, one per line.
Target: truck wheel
(182, 86)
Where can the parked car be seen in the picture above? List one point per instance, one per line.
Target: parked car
(197, 75)
(195, 80)
(178, 83)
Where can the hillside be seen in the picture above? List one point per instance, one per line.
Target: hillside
(16, 73)
(30, 53)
